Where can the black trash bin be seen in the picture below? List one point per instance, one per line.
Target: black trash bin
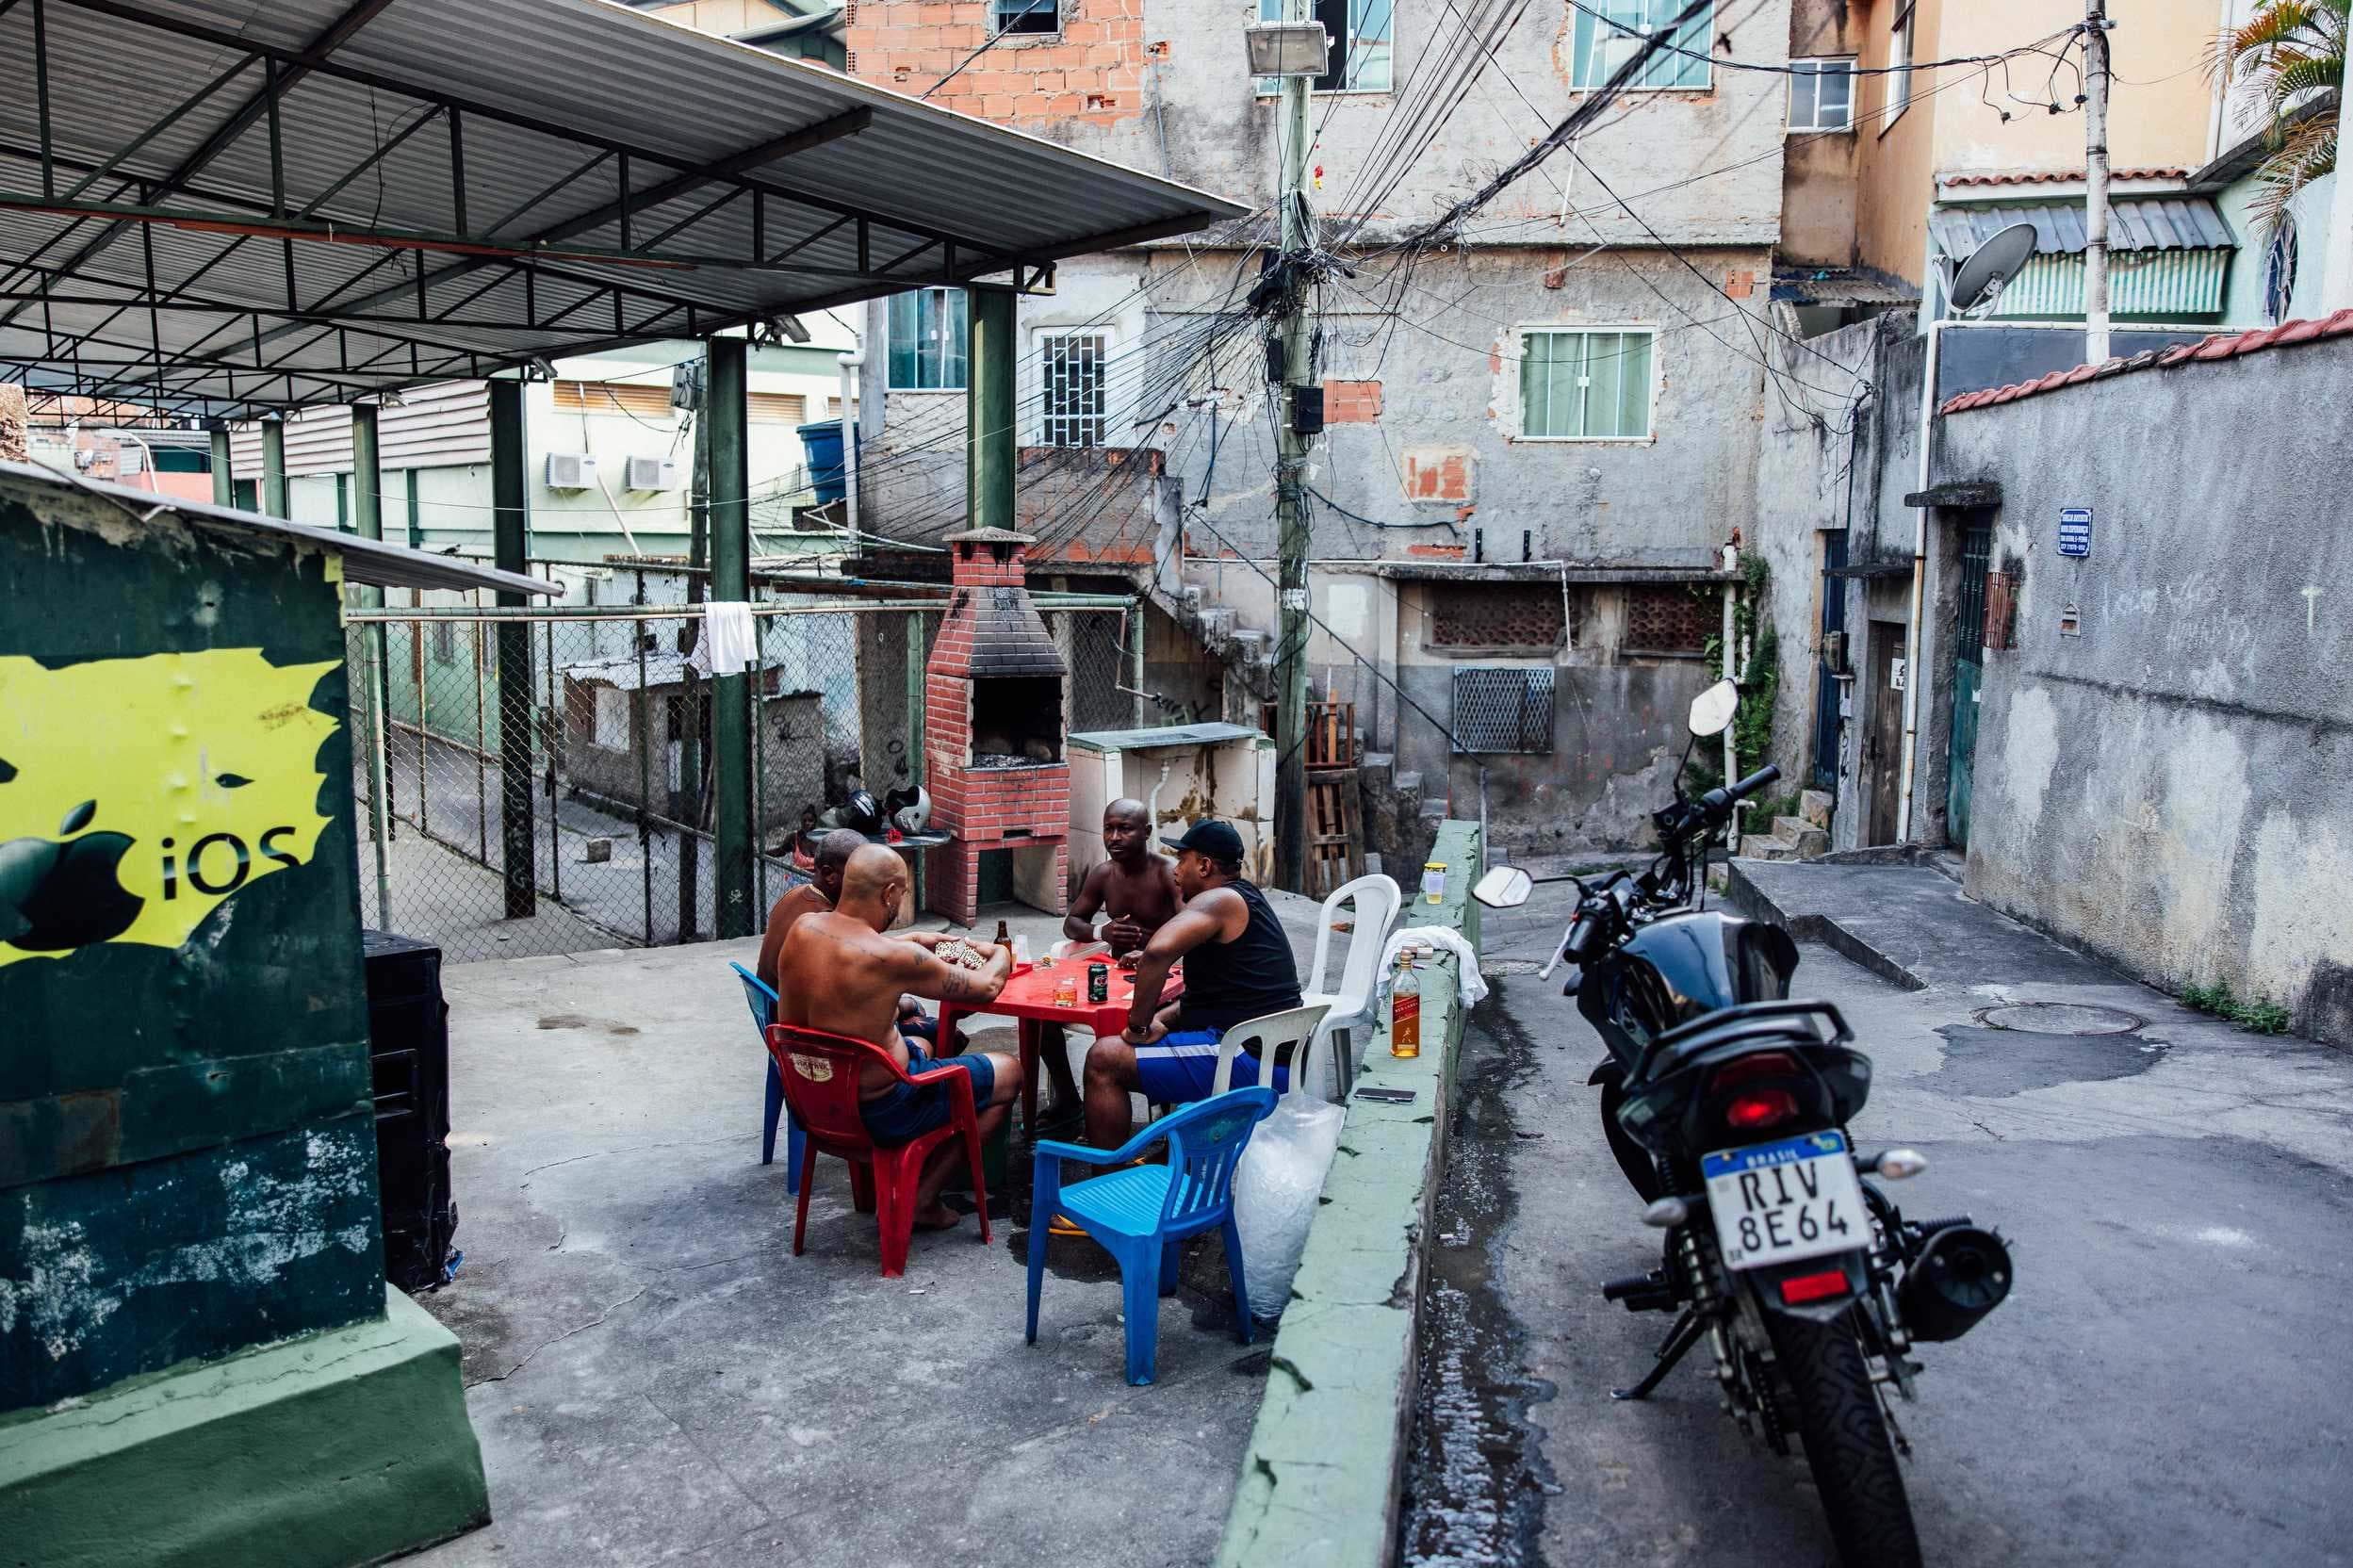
(409, 1056)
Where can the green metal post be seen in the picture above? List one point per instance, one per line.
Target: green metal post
(223, 485)
(415, 519)
(731, 583)
(510, 522)
(366, 485)
(991, 450)
(273, 500)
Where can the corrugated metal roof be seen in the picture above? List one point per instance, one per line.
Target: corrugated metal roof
(366, 561)
(844, 191)
(2134, 224)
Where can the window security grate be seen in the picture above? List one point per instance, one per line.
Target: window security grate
(1074, 390)
(1502, 710)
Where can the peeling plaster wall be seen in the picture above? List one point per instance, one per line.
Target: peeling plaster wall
(1812, 476)
(2168, 787)
(1821, 170)
(1423, 421)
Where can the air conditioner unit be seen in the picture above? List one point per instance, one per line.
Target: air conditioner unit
(653, 473)
(571, 471)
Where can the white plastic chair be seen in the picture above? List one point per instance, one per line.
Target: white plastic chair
(1351, 1006)
(1297, 1028)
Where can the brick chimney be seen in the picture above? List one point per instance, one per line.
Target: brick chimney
(993, 704)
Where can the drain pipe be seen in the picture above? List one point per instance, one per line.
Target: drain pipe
(849, 365)
(1151, 805)
(1919, 584)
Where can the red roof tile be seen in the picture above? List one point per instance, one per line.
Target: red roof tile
(2217, 346)
(2053, 176)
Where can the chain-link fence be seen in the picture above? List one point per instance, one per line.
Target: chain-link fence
(603, 832)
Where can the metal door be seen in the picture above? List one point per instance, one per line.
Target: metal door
(1968, 667)
(1826, 680)
(1882, 743)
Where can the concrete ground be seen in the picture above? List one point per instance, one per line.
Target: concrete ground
(2164, 1386)
(656, 1378)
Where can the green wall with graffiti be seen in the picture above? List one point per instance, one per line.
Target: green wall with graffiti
(188, 1160)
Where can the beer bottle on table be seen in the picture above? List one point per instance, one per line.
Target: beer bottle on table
(1005, 934)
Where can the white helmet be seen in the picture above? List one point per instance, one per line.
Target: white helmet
(914, 819)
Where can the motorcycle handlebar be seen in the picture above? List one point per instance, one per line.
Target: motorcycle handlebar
(1753, 782)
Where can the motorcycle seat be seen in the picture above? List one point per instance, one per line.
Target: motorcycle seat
(1748, 1024)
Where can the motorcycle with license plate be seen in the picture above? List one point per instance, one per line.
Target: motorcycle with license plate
(1727, 1104)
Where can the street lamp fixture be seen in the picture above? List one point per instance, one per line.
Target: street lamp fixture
(1289, 48)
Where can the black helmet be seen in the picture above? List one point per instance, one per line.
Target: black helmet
(860, 813)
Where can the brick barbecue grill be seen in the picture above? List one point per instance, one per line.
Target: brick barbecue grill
(993, 702)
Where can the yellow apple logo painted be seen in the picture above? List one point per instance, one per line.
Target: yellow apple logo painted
(137, 794)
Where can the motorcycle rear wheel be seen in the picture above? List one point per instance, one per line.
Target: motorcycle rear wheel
(1846, 1443)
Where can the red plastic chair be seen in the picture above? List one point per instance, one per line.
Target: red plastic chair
(820, 1073)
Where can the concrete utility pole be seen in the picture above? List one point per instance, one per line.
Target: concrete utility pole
(1291, 516)
(2096, 182)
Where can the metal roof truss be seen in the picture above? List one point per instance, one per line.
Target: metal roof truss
(225, 246)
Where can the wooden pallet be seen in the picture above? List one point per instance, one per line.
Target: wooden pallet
(1330, 733)
(1336, 831)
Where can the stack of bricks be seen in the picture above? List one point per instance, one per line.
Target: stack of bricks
(1089, 68)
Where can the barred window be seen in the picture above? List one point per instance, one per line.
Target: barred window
(1502, 710)
(1072, 366)
(1665, 617)
(1498, 616)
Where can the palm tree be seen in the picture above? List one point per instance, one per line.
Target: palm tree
(2293, 52)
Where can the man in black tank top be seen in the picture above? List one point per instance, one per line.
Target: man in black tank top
(1238, 966)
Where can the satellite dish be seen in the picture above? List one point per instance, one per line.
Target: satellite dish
(1980, 279)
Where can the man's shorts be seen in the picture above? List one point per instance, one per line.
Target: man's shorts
(1181, 1066)
(906, 1112)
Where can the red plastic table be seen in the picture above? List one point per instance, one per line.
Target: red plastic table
(1028, 997)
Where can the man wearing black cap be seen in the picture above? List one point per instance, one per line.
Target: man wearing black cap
(1237, 967)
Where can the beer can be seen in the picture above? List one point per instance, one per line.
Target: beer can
(1098, 983)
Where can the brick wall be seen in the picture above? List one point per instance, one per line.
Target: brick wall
(1091, 70)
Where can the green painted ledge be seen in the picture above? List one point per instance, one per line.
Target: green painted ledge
(330, 1449)
(1321, 1480)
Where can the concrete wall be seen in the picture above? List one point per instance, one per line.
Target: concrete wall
(1820, 171)
(2166, 784)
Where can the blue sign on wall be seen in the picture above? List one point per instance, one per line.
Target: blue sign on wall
(2075, 531)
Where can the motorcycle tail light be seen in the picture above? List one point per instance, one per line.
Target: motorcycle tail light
(1801, 1288)
(1764, 1064)
(1758, 1109)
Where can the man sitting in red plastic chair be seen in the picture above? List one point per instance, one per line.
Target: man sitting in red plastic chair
(839, 973)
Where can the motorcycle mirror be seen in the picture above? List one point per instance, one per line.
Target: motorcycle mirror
(1504, 887)
(1713, 710)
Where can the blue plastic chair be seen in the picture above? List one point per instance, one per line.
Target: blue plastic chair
(1143, 1214)
(763, 1005)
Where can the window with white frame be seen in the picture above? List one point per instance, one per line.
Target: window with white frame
(928, 340)
(1585, 383)
(1900, 67)
(1362, 44)
(1072, 389)
(1611, 32)
(1821, 94)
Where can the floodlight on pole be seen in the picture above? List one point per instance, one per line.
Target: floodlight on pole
(1289, 48)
